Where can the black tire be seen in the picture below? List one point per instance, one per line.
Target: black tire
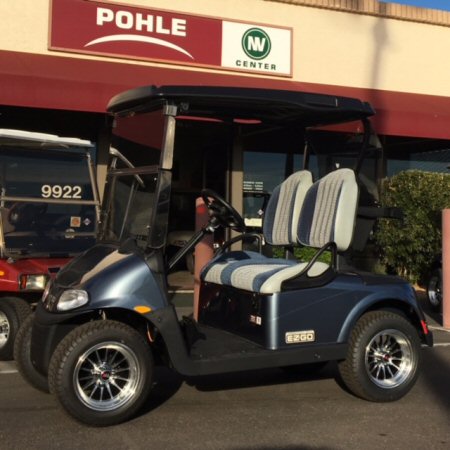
(13, 311)
(9, 325)
(434, 290)
(20, 306)
(22, 346)
(383, 358)
(84, 373)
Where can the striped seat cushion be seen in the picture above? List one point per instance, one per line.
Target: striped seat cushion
(329, 211)
(283, 209)
(254, 272)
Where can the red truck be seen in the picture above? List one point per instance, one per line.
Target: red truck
(49, 206)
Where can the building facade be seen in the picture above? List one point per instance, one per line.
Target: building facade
(62, 60)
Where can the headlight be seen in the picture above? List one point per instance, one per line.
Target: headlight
(33, 282)
(71, 299)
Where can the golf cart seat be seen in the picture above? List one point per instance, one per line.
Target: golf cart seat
(280, 225)
(325, 221)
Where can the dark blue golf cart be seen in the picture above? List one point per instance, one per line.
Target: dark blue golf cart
(106, 320)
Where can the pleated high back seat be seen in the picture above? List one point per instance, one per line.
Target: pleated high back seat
(329, 211)
(280, 224)
(282, 212)
(327, 214)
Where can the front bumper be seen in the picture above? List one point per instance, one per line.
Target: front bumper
(48, 330)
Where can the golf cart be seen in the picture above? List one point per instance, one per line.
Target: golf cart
(48, 214)
(106, 319)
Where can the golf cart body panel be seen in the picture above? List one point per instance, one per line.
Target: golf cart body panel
(109, 285)
(269, 320)
(274, 330)
(287, 321)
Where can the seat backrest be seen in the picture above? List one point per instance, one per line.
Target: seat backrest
(283, 209)
(329, 211)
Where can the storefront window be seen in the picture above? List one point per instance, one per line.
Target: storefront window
(263, 171)
(429, 161)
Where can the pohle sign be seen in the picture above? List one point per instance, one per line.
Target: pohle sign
(115, 30)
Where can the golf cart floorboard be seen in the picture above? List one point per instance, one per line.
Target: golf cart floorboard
(216, 343)
(220, 351)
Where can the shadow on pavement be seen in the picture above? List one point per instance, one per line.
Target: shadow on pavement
(166, 384)
(265, 377)
(436, 374)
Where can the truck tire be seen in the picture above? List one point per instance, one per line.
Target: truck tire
(9, 324)
(383, 359)
(101, 372)
(13, 311)
(22, 346)
(20, 306)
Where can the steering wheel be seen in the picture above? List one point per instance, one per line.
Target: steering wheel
(222, 212)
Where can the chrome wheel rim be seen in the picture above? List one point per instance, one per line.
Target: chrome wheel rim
(389, 359)
(435, 290)
(106, 376)
(4, 329)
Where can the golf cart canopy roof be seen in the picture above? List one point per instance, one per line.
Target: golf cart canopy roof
(265, 105)
(41, 140)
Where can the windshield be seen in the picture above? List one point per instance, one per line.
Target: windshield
(130, 207)
(139, 138)
(47, 201)
(132, 182)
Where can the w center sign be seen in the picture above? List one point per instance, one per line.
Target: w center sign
(114, 30)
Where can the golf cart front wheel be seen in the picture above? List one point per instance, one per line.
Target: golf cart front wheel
(383, 359)
(101, 372)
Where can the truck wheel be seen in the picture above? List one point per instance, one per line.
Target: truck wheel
(434, 290)
(20, 306)
(101, 372)
(383, 357)
(9, 324)
(22, 356)
(13, 311)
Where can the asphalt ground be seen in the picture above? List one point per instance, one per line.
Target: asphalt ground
(266, 409)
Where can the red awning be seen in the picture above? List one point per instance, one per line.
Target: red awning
(67, 83)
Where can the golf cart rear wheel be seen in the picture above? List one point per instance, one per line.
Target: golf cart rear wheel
(22, 356)
(383, 357)
(101, 372)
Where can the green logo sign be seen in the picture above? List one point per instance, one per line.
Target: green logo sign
(256, 43)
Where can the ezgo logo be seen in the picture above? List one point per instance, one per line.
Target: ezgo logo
(256, 43)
